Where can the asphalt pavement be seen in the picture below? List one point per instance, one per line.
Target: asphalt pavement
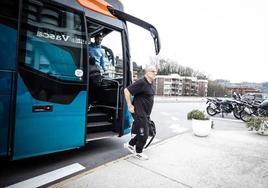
(230, 156)
(236, 158)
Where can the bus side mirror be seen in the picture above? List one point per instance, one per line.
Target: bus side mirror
(155, 36)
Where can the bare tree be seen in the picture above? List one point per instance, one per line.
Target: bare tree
(216, 90)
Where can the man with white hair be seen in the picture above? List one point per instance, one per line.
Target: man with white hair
(141, 109)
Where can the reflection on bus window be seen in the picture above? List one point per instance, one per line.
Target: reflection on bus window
(55, 41)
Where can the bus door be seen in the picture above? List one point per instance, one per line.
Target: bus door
(154, 33)
(106, 100)
(51, 87)
(8, 43)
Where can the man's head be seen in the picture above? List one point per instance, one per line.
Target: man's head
(98, 39)
(150, 73)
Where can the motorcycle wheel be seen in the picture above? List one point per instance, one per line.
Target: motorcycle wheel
(236, 113)
(211, 111)
(244, 116)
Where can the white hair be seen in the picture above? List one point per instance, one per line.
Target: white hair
(149, 68)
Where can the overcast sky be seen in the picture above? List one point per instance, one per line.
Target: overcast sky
(226, 39)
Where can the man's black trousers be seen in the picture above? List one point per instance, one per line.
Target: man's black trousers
(140, 128)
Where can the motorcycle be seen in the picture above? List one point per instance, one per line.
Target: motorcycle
(263, 108)
(249, 111)
(216, 106)
(238, 107)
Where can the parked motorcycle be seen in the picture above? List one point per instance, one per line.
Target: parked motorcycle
(238, 107)
(213, 106)
(216, 106)
(263, 108)
(255, 109)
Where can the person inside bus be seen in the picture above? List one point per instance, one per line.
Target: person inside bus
(143, 92)
(94, 79)
(96, 51)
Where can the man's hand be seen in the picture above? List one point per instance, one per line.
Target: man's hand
(131, 109)
(128, 99)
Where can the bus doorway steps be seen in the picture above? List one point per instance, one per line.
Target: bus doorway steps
(97, 117)
(99, 122)
(99, 127)
(100, 135)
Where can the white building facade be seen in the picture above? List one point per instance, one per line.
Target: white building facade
(176, 85)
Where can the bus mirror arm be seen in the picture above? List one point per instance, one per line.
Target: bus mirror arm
(154, 34)
(126, 17)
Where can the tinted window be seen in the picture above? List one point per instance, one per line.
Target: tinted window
(8, 30)
(52, 51)
(9, 9)
(54, 41)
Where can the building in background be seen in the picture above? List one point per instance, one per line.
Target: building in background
(242, 89)
(168, 85)
(189, 86)
(202, 88)
(162, 85)
(176, 85)
(119, 69)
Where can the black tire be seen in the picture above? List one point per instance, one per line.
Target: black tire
(211, 111)
(244, 116)
(236, 113)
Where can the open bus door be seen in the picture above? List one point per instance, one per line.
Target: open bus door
(109, 114)
(126, 17)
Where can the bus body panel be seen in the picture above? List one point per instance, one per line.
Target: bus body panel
(128, 120)
(8, 43)
(97, 5)
(107, 20)
(51, 98)
(45, 132)
(5, 93)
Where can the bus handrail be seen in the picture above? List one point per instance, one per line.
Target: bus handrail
(117, 95)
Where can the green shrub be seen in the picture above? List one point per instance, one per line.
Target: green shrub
(258, 123)
(197, 114)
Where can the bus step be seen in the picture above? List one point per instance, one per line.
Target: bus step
(99, 127)
(101, 135)
(97, 117)
(99, 124)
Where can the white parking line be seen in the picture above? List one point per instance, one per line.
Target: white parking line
(233, 120)
(49, 177)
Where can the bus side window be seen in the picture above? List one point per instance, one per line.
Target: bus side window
(52, 51)
(55, 40)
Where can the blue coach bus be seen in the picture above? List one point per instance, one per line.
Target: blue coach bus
(47, 103)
